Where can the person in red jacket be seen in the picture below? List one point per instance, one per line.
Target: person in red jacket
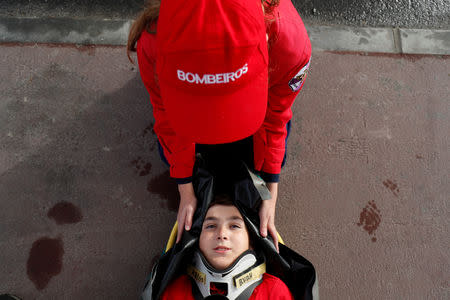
(225, 264)
(222, 77)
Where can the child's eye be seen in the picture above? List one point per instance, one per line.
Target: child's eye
(209, 226)
(234, 226)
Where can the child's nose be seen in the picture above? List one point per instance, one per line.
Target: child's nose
(222, 233)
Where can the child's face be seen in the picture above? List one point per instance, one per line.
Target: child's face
(224, 236)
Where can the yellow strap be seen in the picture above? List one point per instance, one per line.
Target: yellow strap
(252, 275)
(280, 240)
(196, 274)
(172, 237)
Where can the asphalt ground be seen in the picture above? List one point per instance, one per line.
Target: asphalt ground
(87, 205)
(423, 14)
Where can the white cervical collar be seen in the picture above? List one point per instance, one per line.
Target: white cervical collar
(245, 271)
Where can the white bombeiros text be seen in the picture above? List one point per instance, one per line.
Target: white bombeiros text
(212, 78)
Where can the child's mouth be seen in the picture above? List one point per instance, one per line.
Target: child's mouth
(221, 249)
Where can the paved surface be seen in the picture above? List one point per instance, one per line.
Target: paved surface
(424, 14)
(98, 9)
(87, 205)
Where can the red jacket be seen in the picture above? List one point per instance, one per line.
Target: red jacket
(289, 53)
(270, 288)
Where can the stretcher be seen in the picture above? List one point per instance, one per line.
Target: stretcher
(248, 190)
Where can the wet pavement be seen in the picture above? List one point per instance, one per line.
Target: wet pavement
(87, 205)
(424, 14)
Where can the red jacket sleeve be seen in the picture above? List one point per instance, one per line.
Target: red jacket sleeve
(179, 153)
(290, 53)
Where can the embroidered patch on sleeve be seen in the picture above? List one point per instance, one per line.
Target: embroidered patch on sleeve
(296, 83)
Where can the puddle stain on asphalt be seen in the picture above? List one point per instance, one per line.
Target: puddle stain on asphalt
(392, 186)
(141, 167)
(65, 213)
(149, 137)
(166, 188)
(148, 129)
(370, 219)
(44, 261)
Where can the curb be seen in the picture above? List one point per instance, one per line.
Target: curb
(64, 30)
(380, 40)
(327, 38)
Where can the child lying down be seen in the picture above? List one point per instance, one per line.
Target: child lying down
(225, 263)
(223, 255)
